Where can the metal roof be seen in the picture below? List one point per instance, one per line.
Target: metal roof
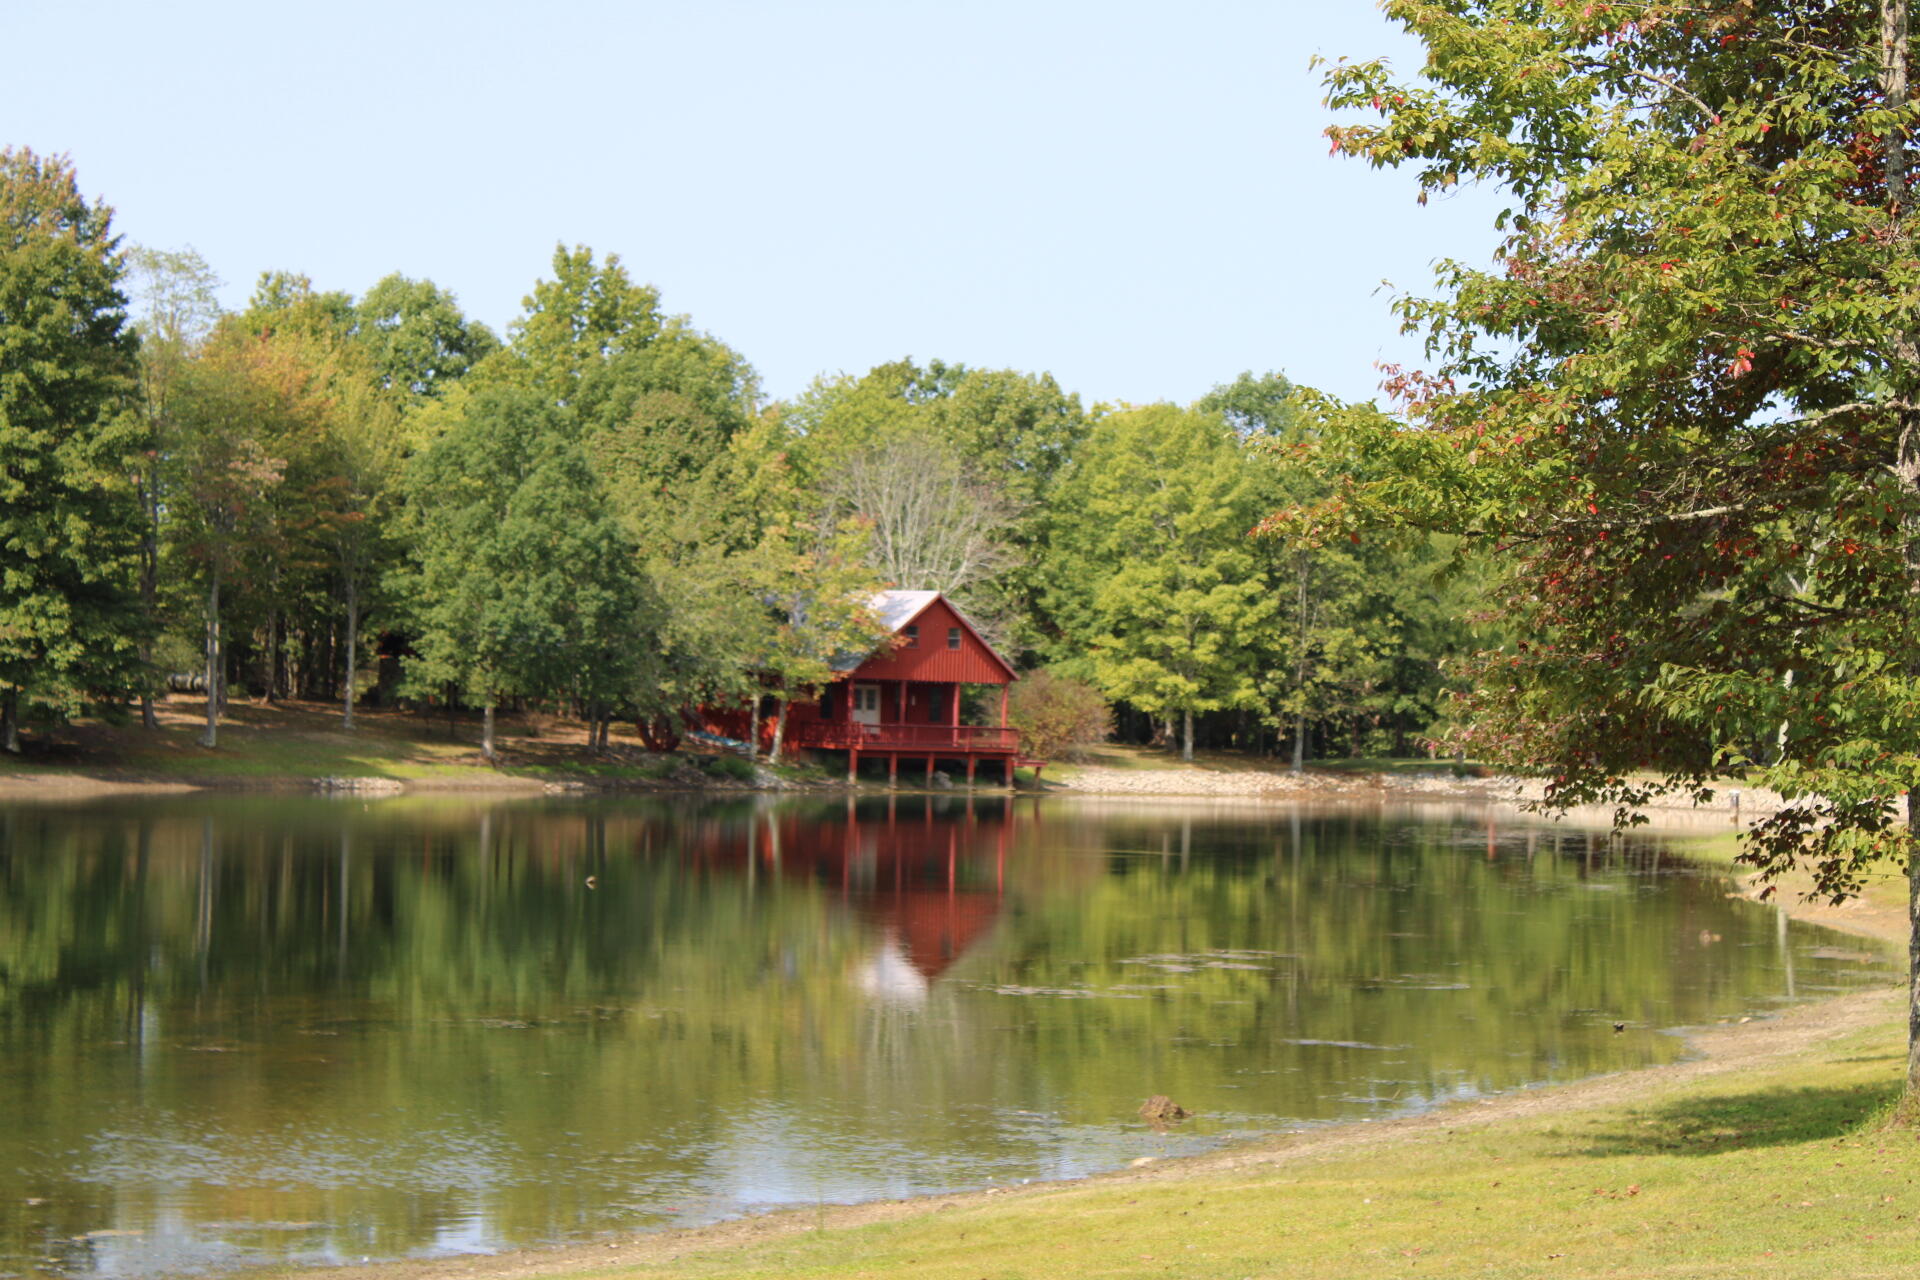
(895, 610)
(898, 608)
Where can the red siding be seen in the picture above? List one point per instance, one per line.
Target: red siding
(971, 663)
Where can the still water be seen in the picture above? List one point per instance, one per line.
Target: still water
(241, 1031)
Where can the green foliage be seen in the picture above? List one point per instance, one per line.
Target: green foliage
(586, 315)
(1264, 406)
(1153, 578)
(816, 593)
(1681, 411)
(527, 586)
(655, 407)
(732, 768)
(1058, 717)
(1367, 621)
(998, 440)
(70, 519)
(416, 336)
(314, 443)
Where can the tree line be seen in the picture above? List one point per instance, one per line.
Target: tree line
(325, 496)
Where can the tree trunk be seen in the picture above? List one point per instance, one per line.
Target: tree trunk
(149, 593)
(353, 641)
(780, 728)
(10, 721)
(486, 732)
(1893, 74)
(753, 729)
(211, 736)
(1894, 41)
(273, 654)
(1186, 735)
(1300, 672)
(330, 664)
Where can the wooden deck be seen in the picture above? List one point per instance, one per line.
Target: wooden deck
(921, 745)
(909, 738)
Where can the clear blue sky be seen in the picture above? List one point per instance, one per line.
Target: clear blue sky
(1135, 197)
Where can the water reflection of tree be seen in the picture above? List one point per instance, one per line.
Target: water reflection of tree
(433, 999)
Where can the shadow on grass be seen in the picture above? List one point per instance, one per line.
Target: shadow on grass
(1770, 1118)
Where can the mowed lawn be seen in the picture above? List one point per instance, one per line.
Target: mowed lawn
(302, 740)
(1780, 1169)
(1773, 1154)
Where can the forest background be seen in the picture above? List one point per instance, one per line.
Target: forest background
(375, 497)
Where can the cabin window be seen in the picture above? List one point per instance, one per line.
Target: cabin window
(953, 637)
(912, 632)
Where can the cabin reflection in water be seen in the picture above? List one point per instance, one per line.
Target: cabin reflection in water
(929, 878)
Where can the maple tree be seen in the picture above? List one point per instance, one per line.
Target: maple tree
(1683, 408)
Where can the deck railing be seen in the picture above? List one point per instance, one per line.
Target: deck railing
(906, 737)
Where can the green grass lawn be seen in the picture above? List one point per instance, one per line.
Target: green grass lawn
(302, 740)
(1783, 1169)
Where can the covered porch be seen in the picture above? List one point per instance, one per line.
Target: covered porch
(913, 720)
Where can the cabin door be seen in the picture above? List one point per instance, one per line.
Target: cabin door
(866, 704)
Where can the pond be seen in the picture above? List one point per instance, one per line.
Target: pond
(247, 1030)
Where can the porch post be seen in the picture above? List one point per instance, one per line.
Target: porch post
(853, 763)
(972, 760)
(900, 703)
(956, 706)
(929, 770)
(893, 769)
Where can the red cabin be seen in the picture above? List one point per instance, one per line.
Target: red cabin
(903, 700)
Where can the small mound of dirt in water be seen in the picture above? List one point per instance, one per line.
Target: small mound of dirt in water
(1160, 1109)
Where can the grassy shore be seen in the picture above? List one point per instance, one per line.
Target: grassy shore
(293, 743)
(1767, 1156)
(1768, 1153)
(1773, 1168)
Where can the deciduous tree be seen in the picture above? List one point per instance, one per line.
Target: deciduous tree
(526, 584)
(177, 307)
(1153, 577)
(1683, 410)
(71, 620)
